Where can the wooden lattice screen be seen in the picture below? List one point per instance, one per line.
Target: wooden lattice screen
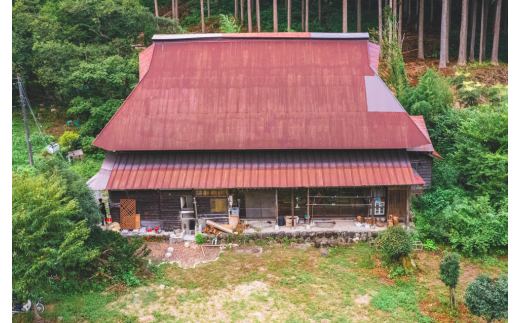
(127, 214)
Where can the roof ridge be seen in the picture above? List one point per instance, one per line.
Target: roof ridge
(280, 35)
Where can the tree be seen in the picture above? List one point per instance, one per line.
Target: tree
(258, 14)
(463, 34)
(275, 16)
(45, 240)
(448, 21)
(484, 30)
(450, 271)
(487, 297)
(209, 13)
(494, 52)
(473, 30)
(241, 12)
(249, 21)
(399, 41)
(236, 10)
(345, 28)
(358, 16)
(156, 8)
(380, 28)
(482, 33)
(395, 243)
(303, 15)
(420, 52)
(442, 62)
(306, 15)
(202, 14)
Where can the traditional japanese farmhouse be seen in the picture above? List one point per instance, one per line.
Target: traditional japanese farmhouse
(284, 123)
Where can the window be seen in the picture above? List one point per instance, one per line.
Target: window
(415, 166)
(210, 193)
(218, 205)
(186, 202)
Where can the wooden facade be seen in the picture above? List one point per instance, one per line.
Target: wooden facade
(422, 164)
(265, 204)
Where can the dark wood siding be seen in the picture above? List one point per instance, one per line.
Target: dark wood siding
(397, 202)
(151, 205)
(423, 164)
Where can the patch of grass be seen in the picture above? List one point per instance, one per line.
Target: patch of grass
(195, 297)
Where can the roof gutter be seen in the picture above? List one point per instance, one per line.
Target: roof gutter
(328, 36)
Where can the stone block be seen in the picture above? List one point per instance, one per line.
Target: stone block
(325, 243)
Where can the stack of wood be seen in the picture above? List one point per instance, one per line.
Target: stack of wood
(216, 229)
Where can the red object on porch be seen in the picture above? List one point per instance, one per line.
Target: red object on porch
(261, 169)
(241, 92)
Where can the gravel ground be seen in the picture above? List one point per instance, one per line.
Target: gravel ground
(186, 256)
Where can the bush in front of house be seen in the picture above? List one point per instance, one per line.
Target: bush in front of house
(450, 271)
(487, 297)
(395, 242)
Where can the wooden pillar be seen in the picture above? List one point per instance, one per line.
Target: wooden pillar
(292, 206)
(308, 206)
(372, 205)
(276, 198)
(408, 197)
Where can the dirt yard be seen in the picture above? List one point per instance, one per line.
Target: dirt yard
(284, 283)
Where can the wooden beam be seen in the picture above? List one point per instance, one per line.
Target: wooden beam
(292, 206)
(408, 189)
(308, 205)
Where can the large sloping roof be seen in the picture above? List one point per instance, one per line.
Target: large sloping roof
(285, 91)
(260, 169)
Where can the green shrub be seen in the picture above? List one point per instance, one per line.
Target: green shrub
(76, 188)
(68, 139)
(487, 297)
(430, 245)
(395, 243)
(199, 238)
(450, 271)
(433, 89)
(228, 24)
(120, 257)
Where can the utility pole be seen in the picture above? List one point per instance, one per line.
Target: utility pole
(27, 135)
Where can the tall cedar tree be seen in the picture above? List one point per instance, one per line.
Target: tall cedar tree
(202, 14)
(442, 61)
(289, 15)
(236, 10)
(473, 30)
(249, 21)
(494, 52)
(156, 9)
(484, 40)
(209, 13)
(400, 24)
(345, 28)
(306, 15)
(275, 16)
(420, 52)
(173, 9)
(303, 15)
(463, 34)
(380, 8)
(241, 12)
(358, 16)
(258, 14)
(448, 21)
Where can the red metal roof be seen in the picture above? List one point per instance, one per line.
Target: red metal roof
(238, 93)
(419, 121)
(145, 58)
(261, 169)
